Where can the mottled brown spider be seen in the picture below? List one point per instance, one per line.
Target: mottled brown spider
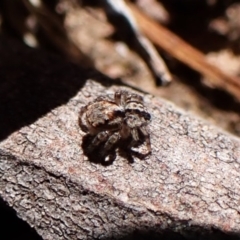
(115, 118)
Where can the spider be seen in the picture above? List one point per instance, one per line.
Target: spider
(112, 119)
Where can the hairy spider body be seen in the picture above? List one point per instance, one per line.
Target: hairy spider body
(116, 117)
(100, 115)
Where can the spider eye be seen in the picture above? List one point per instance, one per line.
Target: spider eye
(146, 116)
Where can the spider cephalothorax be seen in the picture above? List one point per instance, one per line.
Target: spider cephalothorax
(114, 118)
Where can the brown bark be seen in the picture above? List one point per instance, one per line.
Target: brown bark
(190, 182)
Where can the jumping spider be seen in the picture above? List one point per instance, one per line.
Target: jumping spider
(112, 119)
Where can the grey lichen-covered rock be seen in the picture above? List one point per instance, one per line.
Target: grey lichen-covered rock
(191, 179)
(190, 182)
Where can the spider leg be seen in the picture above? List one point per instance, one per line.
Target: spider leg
(135, 134)
(114, 138)
(82, 119)
(136, 137)
(100, 137)
(145, 133)
(117, 97)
